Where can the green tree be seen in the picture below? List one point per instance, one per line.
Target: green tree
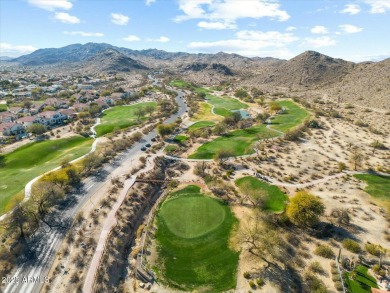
(222, 156)
(165, 129)
(241, 93)
(356, 158)
(274, 107)
(305, 209)
(36, 129)
(149, 109)
(139, 112)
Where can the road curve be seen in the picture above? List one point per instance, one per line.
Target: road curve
(34, 272)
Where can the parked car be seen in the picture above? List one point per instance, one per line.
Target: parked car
(148, 145)
(143, 149)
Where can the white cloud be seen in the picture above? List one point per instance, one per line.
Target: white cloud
(319, 29)
(66, 18)
(378, 6)
(291, 28)
(84, 34)
(149, 2)
(229, 11)
(350, 29)
(119, 19)
(131, 38)
(8, 49)
(318, 42)
(250, 43)
(161, 39)
(217, 25)
(51, 5)
(351, 9)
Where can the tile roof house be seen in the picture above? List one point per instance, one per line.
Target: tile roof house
(52, 117)
(7, 116)
(11, 129)
(26, 121)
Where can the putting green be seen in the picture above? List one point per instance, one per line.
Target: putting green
(192, 236)
(191, 217)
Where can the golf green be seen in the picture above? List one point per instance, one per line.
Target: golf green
(193, 234)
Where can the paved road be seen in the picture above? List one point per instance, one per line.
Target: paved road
(36, 271)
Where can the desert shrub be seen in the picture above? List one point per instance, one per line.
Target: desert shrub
(316, 267)
(247, 275)
(324, 251)
(314, 284)
(338, 285)
(378, 270)
(252, 284)
(260, 282)
(373, 249)
(351, 245)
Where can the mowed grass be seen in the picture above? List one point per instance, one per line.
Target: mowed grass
(224, 105)
(181, 138)
(201, 124)
(377, 186)
(33, 159)
(120, 117)
(193, 242)
(294, 116)
(238, 142)
(276, 199)
(204, 113)
(363, 282)
(182, 84)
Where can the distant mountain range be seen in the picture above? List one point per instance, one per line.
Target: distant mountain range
(366, 83)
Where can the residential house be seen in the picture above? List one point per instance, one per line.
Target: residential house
(7, 117)
(56, 103)
(50, 118)
(27, 121)
(11, 129)
(16, 110)
(115, 97)
(80, 107)
(70, 113)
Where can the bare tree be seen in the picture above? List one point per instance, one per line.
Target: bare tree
(262, 241)
(356, 157)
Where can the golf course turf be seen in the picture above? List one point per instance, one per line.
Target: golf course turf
(276, 199)
(377, 186)
(240, 142)
(33, 159)
(193, 242)
(120, 117)
(201, 124)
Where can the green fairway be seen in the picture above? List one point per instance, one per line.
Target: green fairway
(33, 159)
(181, 138)
(193, 242)
(201, 124)
(238, 142)
(204, 113)
(363, 282)
(276, 199)
(377, 186)
(224, 105)
(3, 107)
(294, 116)
(120, 117)
(182, 84)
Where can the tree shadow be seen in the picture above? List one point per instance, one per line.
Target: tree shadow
(287, 279)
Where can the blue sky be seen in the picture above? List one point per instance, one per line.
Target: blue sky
(355, 30)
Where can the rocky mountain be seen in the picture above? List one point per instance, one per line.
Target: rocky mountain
(364, 83)
(368, 85)
(112, 61)
(309, 69)
(5, 58)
